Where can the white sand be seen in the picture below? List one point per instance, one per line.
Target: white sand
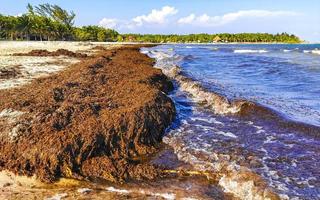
(36, 67)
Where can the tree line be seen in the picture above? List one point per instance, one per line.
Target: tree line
(51, 22)
(209, 38)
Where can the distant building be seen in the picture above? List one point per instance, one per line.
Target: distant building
(131, 38)
(216, 39)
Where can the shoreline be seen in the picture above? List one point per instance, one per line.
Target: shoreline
(120, 74)
(145, 167)
(150, 43)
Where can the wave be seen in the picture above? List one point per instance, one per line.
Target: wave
(219, 104)
(286, 50)
(233, 178)
(250, 51)
(316, 51)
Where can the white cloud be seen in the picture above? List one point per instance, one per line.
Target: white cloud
(206, 20)
(156, 16)
(109, 23)
(187, 20)
(163, 15)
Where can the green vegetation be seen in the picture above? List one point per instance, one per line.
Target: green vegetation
(51, 22)
(95, 33)
(208, 38)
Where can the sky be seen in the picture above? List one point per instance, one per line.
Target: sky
(300, 17)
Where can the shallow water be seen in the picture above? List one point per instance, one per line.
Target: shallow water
(273, 130)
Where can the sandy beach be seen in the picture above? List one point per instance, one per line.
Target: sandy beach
(90, 128)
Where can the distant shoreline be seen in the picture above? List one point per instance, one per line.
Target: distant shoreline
(155, 43)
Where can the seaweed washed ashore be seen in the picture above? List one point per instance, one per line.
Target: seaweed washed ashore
(94, 120)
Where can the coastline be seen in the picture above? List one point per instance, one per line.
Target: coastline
(127, 170)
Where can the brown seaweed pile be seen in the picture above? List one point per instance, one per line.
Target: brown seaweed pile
(92, 121)
(45, 53)
(10, 72)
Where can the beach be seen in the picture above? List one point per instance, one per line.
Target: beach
(144, 121)
(90, 128)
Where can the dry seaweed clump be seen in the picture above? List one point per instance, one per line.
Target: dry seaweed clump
(10, 72)
(92, 121)
(59, 52)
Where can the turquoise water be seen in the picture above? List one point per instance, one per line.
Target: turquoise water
(253, 106)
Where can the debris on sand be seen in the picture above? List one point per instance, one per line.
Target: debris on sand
(99, 48)
(45, 53)
(94, 120)
(10, 72)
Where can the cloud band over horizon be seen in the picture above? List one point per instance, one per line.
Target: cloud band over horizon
(166, 13)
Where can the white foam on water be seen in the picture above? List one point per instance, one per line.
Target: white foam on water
(227, 134)
(316, 51)
(250, 51)
(232, 174)
(192, 152)
(243, 189)
(286, 50)
(210, 120)
(168, 63)
(270, 139)
(211, 161)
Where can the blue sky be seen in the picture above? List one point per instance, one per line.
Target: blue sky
(191, 16)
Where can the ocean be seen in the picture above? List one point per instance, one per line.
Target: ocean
(247, 112)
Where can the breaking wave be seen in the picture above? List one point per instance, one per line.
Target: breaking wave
(250, 51)
(212, 149)
(218, 103)
(314, 51)
(168, 62)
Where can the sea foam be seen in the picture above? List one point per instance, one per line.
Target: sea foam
(168, 63)
(250, 51)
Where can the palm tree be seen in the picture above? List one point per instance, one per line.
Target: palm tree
(24, 26)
